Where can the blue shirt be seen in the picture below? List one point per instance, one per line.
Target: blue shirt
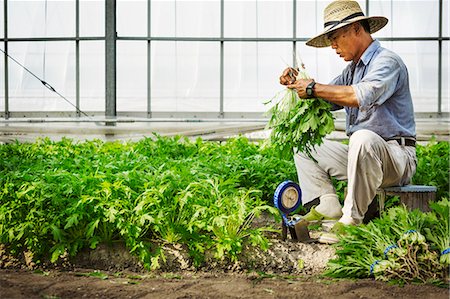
(380, 81)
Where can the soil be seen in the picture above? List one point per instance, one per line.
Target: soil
(81, 283)
(289, 269)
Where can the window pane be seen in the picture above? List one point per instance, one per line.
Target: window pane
(92, 18)
(252, 73)
(421, 59)
(322, 64)
(132, 76)
(185, 76)
(445, 17)
(258, 18)
(186, 18)
(2, 84)
(132, 18)
(53, 62)
(445, 77)
(408, 18)
(310, 17)
(41, 18)
(92, 76)
(2, 28)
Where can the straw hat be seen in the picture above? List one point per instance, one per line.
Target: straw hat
(340, 13)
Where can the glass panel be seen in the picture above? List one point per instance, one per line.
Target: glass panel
(92, 18)
(132, 18)
(445, 77)
(421, 59)
(186, 18)
(92, 76)
(258, 18)
(41, 18)
(132, 76)
(310, 17)
(322, 64)
(2, 82)
(251, 74)
(185, 76)
(445, 17)
(2, 27)
(383, 8)
(408, 18)
(53, 62)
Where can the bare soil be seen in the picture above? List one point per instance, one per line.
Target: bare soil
(288, 269)
(80, 284)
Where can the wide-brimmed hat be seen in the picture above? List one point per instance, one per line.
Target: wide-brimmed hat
(340, 13)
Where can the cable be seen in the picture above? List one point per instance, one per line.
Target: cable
(47, 85)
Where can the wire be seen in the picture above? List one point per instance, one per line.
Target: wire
(46, 84)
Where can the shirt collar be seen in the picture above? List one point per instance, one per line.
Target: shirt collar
(370, 51)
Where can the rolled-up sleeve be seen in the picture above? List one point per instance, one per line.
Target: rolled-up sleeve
(379, 84)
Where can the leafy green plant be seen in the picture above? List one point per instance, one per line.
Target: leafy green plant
(57, 198)
(433, 166)
(401, 245)
(298, 123)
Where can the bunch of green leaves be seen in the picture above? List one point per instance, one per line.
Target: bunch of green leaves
(61, 197)
(298, 124)
(439, 235)
(402, 245)
(433, 166)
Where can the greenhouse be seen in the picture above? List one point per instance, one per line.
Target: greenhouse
(224, 148)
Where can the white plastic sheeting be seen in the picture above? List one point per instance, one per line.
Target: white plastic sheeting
(185, 75)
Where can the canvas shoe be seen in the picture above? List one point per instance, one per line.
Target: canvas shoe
(314, 216)
(332, 236)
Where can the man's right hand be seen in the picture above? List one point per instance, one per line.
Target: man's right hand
(288, 76)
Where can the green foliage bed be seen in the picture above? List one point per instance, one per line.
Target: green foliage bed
(64, 196)
(58, 197)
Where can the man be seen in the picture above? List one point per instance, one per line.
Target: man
(374, 91)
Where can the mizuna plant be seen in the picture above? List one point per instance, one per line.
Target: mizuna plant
(61, 197)
(402, 245)
(298, 123)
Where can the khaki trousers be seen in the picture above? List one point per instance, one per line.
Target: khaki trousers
(368, 162)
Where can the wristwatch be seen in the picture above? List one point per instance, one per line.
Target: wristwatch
(310, 89)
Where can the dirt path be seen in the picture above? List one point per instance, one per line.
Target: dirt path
(84, 283)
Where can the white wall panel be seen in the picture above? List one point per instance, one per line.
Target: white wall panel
(92, 16)
(445, 76)
(251, 18)
(92, 76)
(53, 62)
(183, 18)
(252, 73)
(185, 76)
(131, 18)
(41, 18)
(132, 76)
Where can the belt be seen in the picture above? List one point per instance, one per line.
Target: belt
(407, 141)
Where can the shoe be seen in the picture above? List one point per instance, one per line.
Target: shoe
(314, 216)
(332, 237)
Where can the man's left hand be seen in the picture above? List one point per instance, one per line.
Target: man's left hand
(300, 87)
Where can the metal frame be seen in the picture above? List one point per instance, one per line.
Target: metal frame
(111, 39)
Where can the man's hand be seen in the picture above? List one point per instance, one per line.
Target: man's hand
(288, 76)
(300, 86)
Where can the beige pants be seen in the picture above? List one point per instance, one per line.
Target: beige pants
(368, 162)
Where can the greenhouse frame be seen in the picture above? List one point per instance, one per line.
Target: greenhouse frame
(202, 60)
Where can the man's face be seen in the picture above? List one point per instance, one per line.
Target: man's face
(343, 41)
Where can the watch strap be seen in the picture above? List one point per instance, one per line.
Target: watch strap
(310, 89)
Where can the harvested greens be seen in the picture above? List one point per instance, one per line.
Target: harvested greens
(298, 123)
(404, 246)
